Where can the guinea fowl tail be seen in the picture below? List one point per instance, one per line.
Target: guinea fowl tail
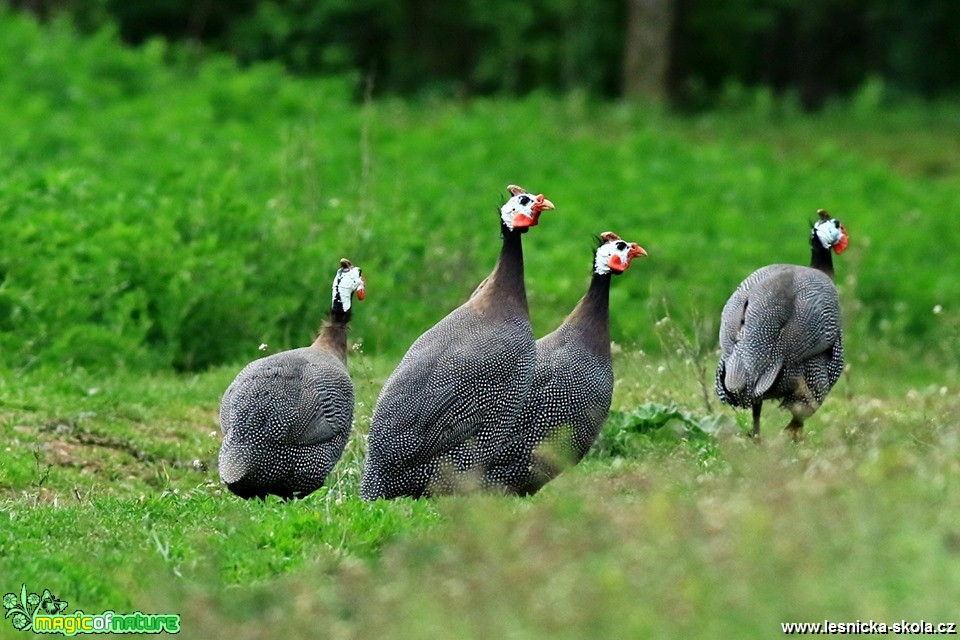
(239, 477)
(371, 486)
(732, 380)
(735, 376)
(739, 385)
(233, 467)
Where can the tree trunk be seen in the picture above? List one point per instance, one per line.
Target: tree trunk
(647, 52)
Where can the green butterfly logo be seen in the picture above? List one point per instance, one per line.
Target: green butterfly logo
(23, 608)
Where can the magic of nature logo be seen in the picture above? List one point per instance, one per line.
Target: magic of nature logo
(44, 613)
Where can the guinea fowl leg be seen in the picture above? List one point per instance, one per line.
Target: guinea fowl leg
(795, 429)
(755, 433)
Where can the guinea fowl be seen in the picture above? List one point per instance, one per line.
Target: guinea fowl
(572, 385)
(462, 384)
(286, 417)
(780, 333)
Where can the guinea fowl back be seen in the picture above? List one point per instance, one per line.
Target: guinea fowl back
(474, 408)
(781, 314)
(461, 383)
(780, 333)
(302, 401)
(286, 417)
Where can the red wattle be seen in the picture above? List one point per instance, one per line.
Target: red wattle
(617, 264)
(841, 246)
(522, 220)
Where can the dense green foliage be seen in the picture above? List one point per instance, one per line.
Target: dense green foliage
(157, 213)
(815, 50)
(161, 212)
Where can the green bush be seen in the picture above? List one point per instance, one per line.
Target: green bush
(158, 211)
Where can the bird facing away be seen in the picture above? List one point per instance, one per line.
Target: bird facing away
(462, 384)
(286, 417)
(572, 385)
(780, 335)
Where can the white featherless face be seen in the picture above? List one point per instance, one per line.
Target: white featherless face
(831, 234)
(349, 279)
(615, 254)
(523, 209)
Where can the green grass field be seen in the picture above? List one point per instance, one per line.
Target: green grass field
(163, 216)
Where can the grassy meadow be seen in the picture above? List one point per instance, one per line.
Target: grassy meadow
(162, 215)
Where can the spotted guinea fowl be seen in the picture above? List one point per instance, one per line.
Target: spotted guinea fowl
(286, 417)
(780, 333)
(572, 385)
(461, 384)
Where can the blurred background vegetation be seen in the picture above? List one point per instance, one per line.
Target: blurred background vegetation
(685, 51)
(179, 179)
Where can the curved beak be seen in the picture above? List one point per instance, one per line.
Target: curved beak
(636, 251)
(542, 204)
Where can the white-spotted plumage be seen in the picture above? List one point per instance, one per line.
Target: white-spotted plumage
(462, 384)
(286, 417)
(572, 386)
(780, 333)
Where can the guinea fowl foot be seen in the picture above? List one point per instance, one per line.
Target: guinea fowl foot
(795, 430)
(754, 434)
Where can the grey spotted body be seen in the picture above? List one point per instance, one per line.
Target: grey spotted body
(455, 393)
(462, 384)
(572, 391)
(286, 419)
(572, 386)
(781, 338)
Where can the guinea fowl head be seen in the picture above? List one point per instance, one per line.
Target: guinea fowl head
(523, 209)
(614, 255)
(829, 232)
(349, 280)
